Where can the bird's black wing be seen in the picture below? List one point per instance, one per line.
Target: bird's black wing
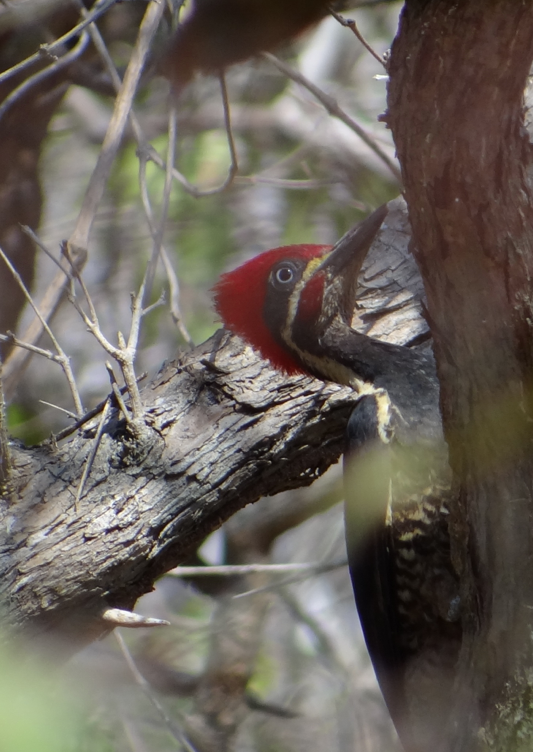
(368, 468)
(404, 584)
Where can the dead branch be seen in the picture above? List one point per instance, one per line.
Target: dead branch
(220, 430)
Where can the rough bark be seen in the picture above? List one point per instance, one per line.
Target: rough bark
(457, 76)
(221, 429)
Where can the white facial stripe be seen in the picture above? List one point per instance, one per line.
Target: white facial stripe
(294, 299)
(331, 369)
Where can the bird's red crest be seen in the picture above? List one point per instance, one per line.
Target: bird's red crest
(240, 299)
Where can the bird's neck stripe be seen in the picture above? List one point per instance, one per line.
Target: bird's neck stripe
(292, 308)
(326, 367)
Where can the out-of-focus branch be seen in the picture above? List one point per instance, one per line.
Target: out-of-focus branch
(61, 356)
(49, 50)
(333, 108)
(37, 78)
(78, 241)
(95, 189)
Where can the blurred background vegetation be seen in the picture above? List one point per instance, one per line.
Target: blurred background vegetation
(303, 177)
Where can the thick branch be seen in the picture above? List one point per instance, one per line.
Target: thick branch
(221, 429)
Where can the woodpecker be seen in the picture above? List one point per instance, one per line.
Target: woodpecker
(295, 306)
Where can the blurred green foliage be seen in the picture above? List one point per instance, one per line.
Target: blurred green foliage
(36, 715)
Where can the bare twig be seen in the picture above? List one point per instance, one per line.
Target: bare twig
(90, 414)
(24, 87)
(349, 23)
(332, 107)
(233, 168)
(92, 455)
(49, 50)
(119, 617)
(39, 243)
(111, 143)
(116, 392)
(291, 185)
(58, 407)
(226, 570)
(19, 359)
(14, 340)
(319, 569)
(227, 123)
(175, 310)
(124, 354)
(61, 357)
(145, 198)
(148, 281)
(176, 732)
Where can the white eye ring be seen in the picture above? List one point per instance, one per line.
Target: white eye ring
(284, 275)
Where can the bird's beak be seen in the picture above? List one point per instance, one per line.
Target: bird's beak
(343, 263)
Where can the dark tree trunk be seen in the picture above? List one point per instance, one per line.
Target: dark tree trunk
(457, 76)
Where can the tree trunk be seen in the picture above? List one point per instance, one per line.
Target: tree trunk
(457, 75)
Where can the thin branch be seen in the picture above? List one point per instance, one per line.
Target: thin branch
(288, 184)
(319, 569)
(116, 392)
(233, 168)
(325, 644)
(79, 238)
(332, 107)
(24, 87)
(61, 358)
(48, 50)
(171, 275)
(58, 407)
(161, 301)
(19, 359)
(229, 133)
(148, 281)
(90, 459)
(228, 570)
(115, 131)
(90, 414)
(349, 23)
(76, 274)
(176, 732)
(39, 243)
(14, 340)
(174, 303)
(124, 354)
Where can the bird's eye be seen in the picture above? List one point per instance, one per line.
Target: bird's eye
(284, 275)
